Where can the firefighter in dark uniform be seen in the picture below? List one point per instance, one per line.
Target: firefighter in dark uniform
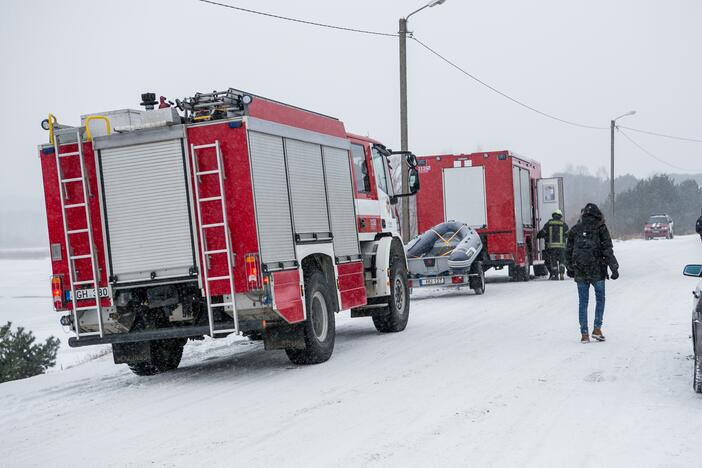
(554, 234)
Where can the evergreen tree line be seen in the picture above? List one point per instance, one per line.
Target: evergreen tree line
(635, 200)
(655, 195)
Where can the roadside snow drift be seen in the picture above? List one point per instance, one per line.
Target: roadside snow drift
(493, 380)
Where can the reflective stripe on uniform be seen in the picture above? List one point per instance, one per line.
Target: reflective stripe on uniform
(556, 235)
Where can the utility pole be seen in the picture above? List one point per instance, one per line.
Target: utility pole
(611, 177)
(612, 127)
(404, 146)
(403, 128)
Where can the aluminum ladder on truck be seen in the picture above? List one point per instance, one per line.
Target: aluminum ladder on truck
(85, 207)
(204, 228)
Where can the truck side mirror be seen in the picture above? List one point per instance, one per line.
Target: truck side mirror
(413, 179)
(411, 160)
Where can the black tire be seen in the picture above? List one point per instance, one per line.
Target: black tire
(526, 269)
(697, 375)
(394, 317)
(540, 270)
(165, 356)
(518, 273)
(319, 328)
(477, 283)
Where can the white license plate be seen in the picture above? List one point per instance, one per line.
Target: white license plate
(83, 294)
(432, 281)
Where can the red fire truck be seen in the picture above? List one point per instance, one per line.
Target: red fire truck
(498, 193)
(226, 213)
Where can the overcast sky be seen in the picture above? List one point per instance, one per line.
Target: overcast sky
(587, 61)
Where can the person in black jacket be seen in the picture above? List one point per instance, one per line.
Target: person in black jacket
(698, 226)
(589, 252)
(554, 234)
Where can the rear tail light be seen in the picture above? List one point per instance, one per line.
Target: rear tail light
(57, 292)
(253, 276)
(457, 280)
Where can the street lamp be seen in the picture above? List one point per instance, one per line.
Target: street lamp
(403, 111)
(611, 177)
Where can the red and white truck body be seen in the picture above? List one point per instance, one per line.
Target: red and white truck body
(214, 223)
(499, 194)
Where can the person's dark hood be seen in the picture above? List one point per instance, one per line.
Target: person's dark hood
(591, 214)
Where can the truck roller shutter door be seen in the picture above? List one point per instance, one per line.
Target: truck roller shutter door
(271, 198)
(306, 177)
(341, 205)
(146, 208)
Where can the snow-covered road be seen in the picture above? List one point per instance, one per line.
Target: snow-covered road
(493, 380)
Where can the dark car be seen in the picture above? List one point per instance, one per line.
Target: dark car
(696, 271)
(659, 225)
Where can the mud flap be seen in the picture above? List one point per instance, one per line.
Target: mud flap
(131, 353)
(284, 337)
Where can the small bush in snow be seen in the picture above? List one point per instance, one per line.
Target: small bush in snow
(20, 357)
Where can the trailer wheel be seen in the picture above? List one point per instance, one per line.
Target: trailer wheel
(165, 356)
(477, 283)
(319, 328)
(394, 317)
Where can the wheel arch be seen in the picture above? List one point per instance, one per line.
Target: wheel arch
(324, 264)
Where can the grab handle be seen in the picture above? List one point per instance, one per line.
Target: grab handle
(96, 117)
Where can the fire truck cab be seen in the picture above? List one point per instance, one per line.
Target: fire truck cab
(498, 193)
(225, 213)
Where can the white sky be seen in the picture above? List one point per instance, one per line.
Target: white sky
(588, 61)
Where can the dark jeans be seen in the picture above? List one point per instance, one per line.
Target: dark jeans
(584, 296)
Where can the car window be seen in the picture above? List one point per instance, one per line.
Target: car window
(658, 219)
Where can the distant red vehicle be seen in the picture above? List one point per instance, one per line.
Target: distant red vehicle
(659, 225)
(499, 194)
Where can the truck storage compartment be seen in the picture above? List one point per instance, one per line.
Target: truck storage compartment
(147, 217)
(270, 186)
(306, 175)
(343, 213)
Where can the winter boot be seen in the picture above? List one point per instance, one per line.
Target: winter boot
(585, 338)
(597, 334)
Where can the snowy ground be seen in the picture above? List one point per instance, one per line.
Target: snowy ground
(493, 380)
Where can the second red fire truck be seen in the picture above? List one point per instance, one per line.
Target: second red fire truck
(498, 193)
(226, 213)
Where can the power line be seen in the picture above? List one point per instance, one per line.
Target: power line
(651, 154)
(664, 135)
(297, 20)
(443, 58)
(505, 95)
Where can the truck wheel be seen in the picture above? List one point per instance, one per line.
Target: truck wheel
(319, 328)
(394, 317)
(525, 271)
(477, 283)
(165, 356)
(518, 273)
